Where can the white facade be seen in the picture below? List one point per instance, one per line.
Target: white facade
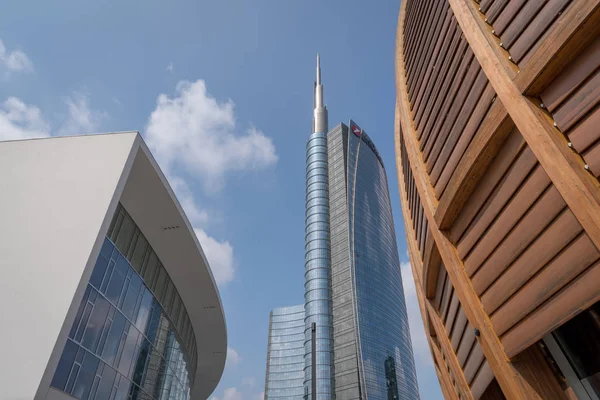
(57, 198)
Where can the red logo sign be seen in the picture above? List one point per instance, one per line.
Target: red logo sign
(356, 130)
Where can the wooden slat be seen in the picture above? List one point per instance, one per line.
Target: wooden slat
(467, 85)
(592, 157)
(445, 382)
(482, 380)
(458, 84)
(479, 155)
(558, 235)
(505, 219)
(466, 344)
(570, 301)
(520, 22)
(449, 84)
(473, 363)
(459, 328)
(464, 113)
(578, 256)
(431, 266)
(504, 188)
(431, 73)
(443, 311)
(521, 49)
(582, 101)
(508, 15)
(572, 77)
(434, 29)
(495, 10)
(579, 25)
(424, 113)
(508, 377)
(446, 348)
(451, 317)
(579, 188)
(440, 288)
(525, 232)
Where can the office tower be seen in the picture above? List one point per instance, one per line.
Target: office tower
(497, 150)
(285, 354)
(353, 288)
(107, 293)
(317, 287)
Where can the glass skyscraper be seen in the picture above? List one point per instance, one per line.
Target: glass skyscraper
(353, 284)
(285, 354)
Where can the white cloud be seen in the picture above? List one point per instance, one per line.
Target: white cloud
(250, 382)
(260, 396)
(21, 121)
(15, 60)
(219, 255)
(233, 358)
(186, 199)
(198, 133)
(170, 67)
(81, 118)
(229, 394)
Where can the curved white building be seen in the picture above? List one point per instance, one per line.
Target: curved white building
(107, 293)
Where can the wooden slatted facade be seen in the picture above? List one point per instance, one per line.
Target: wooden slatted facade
(498, 153)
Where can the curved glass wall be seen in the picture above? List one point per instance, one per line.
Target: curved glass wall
(285, 358)
(386, 358)
(124, 342)
(317, 287)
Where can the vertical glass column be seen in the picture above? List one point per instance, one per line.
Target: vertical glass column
(317, 287)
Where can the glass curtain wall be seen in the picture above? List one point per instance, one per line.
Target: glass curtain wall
(131, 338)
(285, 358)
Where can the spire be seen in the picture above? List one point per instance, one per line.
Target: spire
(318, 69)
(320, 111)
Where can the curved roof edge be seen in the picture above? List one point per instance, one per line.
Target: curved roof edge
(152, 203)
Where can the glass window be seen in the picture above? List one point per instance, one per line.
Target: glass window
(122, 388)
(150, 270)
(109, 353)
(138, 254)
(64, 365)
(131, 295)
(106, 383)
(168, 297)
(85, 377)
(144, 310)
(117, 224)
(129, 350)
(125, 234)
(95, 323)
(116, 308)
(79, 313)
(113, 291)
(160, 284)
(101, 264)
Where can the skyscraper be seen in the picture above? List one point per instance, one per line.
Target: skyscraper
(285, 354)
(353, 287)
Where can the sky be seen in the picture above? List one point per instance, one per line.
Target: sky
(222, 93)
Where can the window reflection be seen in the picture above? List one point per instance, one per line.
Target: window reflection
(122, 344)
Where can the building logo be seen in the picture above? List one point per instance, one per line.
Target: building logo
(356, 130)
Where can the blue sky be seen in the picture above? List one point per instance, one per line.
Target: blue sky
(222, 92)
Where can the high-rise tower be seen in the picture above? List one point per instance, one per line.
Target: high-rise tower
(317, 286)
(353, 286)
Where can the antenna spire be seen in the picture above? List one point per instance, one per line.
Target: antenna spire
(320, 111)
